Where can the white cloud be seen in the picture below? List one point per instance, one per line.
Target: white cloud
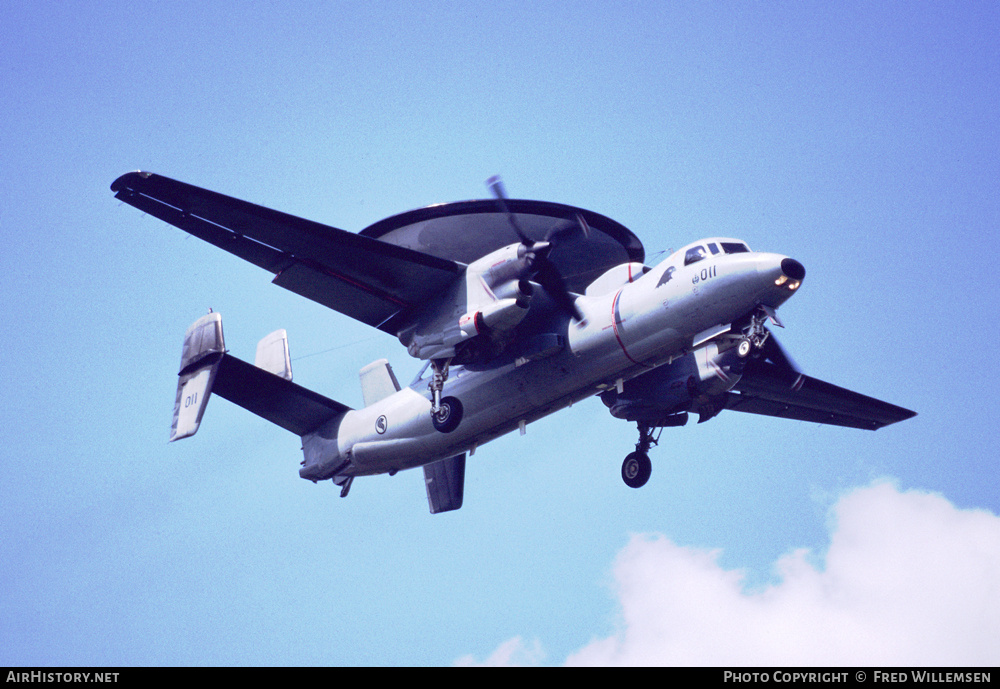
(908, 579)
(513, 652)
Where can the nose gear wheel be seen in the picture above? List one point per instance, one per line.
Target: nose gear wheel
(637, 468)
(754, 335)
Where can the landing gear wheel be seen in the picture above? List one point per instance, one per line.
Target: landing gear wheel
(743, 348)
(636, 469)
(448, 415)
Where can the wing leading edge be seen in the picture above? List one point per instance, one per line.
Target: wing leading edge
(369, 280)
(768, 390)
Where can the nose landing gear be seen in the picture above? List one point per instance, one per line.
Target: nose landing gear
(755, 334)
(637, 468)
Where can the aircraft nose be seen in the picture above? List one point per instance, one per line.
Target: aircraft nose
(793, 269)
(786, 274)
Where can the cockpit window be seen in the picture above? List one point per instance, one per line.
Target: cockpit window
(694, 254)
(735, 247)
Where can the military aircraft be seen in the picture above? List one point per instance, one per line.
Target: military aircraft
(519, 309)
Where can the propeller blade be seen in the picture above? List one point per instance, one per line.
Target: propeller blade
(548, 276)
(777, 355)
(569, 229)
(496, 186)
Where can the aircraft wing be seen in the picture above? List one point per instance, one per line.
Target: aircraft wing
(370, 280)
(768, 389)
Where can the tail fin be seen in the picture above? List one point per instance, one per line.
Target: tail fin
(445, 482)
(204, 347)
(267, 392)
(272, 355)
(377, 381)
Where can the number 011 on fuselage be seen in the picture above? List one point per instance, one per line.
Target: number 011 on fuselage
(519, 309)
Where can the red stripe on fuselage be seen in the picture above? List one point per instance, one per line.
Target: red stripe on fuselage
(614, 324)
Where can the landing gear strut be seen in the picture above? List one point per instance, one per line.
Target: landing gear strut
(637, 468)
(446, 412)
(440, 369)
(755, 334)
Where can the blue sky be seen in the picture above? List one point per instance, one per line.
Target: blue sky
(859, 138)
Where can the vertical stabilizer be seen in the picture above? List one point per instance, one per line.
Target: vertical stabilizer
(377, 381)
(272, 355)
(445, 482)
(204, 347)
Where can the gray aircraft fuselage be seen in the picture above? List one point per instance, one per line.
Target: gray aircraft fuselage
(626, 331)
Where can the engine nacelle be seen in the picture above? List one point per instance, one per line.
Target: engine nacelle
(519, 290)
(501, 309)
(503, 314)
(695, 382)
(474, 317)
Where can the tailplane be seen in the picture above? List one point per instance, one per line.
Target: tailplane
(266, 389)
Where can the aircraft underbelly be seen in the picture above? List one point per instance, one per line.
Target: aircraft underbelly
(397, 433)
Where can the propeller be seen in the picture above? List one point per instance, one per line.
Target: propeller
(536, 254)
(496, 186)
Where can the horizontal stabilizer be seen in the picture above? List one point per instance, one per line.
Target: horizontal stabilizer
(271, 397)
(445, 480)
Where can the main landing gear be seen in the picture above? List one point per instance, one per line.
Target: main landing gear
(636, 468)
(446, 412)
(448, 415)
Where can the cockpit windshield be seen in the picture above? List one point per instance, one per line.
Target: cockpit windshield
(694, 254)
(698, 252)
